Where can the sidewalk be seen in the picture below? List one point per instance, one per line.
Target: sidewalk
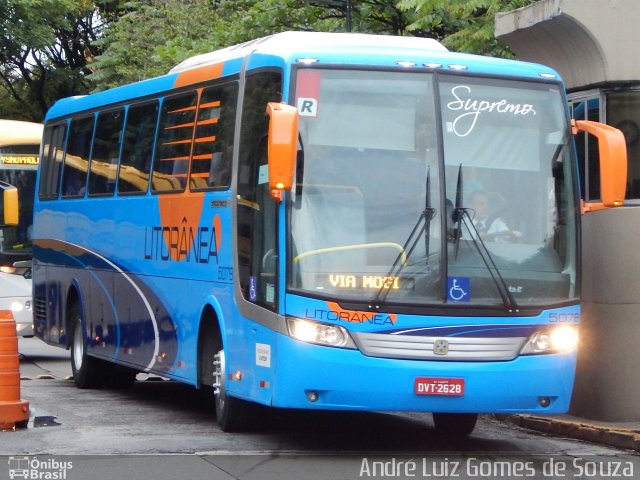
(615, 434)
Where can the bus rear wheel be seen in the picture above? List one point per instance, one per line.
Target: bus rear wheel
(86, 370)
(232, 414)
(455, 424)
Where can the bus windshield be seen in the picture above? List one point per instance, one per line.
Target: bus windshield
(18, 166)
(428, 190)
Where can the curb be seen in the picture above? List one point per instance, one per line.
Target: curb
(581, 430)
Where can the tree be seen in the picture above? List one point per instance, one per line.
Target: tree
(45, 46)
(154, 35)
(462, 25)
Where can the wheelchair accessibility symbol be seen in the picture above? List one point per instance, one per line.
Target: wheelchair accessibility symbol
(459, 289)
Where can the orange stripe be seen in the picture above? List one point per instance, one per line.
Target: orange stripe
(173, 159)
(210, 104)
(206, 139)
(177, 142)
(205, 156)
(182, 125)
(185, 109)
(209, 121)
(200, 175)
(198, 74)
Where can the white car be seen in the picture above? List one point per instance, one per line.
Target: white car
(15, 295)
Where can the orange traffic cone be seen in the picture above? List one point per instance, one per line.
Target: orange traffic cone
(13, 411)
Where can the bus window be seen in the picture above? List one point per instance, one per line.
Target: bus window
(76, 160)
(106, 147)
(52, 153)
(174, 143)
(213, 147)
(257, 220)
(137, 148)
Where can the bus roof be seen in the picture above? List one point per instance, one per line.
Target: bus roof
(297, 44)
(354, 49)
(15, 132)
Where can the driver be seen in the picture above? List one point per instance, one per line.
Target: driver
(486, 223)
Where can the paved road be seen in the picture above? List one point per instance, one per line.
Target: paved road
(157, 417)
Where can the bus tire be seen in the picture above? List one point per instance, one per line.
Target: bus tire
(455, 424)
(232, 414)
(87, 371)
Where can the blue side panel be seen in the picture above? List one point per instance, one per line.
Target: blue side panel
(162, 273)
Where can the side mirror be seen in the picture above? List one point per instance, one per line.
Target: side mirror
(613, 163)
(282, 147)
(9, 213)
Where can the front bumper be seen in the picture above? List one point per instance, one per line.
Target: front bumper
(348, 380)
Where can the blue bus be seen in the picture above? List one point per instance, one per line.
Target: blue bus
(321, 221)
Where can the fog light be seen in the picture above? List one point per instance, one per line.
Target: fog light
(545, 402)
(312, 396)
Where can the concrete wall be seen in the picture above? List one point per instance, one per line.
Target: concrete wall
(593, 43)
(588, 41)
(608, 376)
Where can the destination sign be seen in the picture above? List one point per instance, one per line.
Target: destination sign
(374, 282)
(19, 159)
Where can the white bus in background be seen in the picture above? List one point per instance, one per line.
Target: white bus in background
(19, 150)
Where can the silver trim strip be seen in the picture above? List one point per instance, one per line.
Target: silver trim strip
(421, 348)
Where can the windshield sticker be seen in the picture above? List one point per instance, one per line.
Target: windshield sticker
(458, 289)
(471, 107)
(307, 107)
(308, 93)
(263, 174)
(253, 289)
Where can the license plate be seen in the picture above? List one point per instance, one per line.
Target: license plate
(450, 387)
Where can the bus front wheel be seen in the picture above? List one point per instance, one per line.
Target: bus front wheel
(86, 370)
(232, 414)
(455, 424)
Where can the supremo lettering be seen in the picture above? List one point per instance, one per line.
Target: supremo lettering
(184, 243)
(472, 109)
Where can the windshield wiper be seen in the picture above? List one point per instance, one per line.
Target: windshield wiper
(460, 216)
(409, 246)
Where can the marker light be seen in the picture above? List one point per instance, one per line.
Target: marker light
(319, 333)
(6, 269)
(556, 340)
(456, 66)
(547, 75)
(405, 63)
(307, 61)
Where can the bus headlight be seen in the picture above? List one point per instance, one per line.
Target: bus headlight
(556, 340)
(319, 333)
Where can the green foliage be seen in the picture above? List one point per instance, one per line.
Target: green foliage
(44, 49)
(462, 25)
(55, 48)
